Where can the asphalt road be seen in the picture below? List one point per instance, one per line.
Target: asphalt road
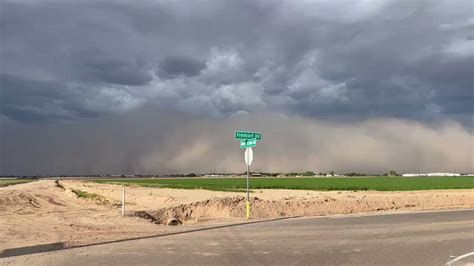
(428, 238)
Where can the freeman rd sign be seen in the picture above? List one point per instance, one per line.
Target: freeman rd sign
(247, 143)
(248, 135)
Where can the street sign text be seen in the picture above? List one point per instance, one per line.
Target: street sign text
(248, 135)
(246, 143)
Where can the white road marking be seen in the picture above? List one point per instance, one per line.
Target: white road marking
(451, 262)
(382, 213)
(206, 254)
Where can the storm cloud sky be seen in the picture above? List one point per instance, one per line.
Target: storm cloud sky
(76, 66)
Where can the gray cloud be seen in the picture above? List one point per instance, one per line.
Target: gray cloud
(33, 100)
(325, 61)
(356, 59)
(175, 66)
(114, 72)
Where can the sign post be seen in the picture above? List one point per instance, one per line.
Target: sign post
(248, 196)
(247, 141)
(248, 162)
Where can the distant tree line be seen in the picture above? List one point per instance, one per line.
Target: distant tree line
(268, 174)
(355, 174)
(391, 173)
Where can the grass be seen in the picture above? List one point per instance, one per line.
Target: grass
(90, 196)
(323, 184)
(85, 194)
(9, 182)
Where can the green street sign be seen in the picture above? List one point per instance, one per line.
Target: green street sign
(248, 135)
(247, 143)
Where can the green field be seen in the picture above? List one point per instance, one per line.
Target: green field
(323, 184)
(9, 182)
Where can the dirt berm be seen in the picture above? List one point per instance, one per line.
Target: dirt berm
(234, 207)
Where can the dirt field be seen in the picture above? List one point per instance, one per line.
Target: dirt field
(42, 212)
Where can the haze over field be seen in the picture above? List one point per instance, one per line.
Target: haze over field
(160, 86)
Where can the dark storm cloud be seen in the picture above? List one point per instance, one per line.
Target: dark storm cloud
(26, 99)
(397, 65)
(112, 71)
(357, 59)
(33, 100)
(174, 66)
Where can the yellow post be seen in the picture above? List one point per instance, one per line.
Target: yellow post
(248, 209)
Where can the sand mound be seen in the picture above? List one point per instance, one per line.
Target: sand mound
(32, 198)
(234, 207)
(228, 207)
(42, 212)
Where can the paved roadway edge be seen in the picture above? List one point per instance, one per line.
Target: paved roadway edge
(6, 253)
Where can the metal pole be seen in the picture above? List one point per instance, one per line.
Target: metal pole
(123, 201)
(248, 196)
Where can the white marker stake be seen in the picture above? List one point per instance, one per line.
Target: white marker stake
(123, 201)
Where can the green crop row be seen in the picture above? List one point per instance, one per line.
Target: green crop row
(323, 184)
